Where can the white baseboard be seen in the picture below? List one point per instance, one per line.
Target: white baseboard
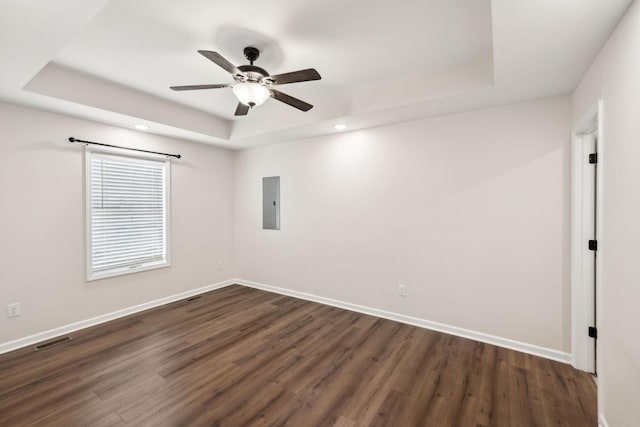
(535, 350)
(422, 323)
(602, 421)
(63, 330)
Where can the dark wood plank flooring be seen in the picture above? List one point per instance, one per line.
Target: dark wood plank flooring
(244, 357)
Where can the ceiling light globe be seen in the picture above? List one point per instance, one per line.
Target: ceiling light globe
(251, 94)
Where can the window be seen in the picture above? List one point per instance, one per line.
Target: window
(127, 213)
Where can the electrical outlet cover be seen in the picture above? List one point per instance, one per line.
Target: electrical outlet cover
(13, 310)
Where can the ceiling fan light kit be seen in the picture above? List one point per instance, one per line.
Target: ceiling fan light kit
(251, 94)
(253, 85)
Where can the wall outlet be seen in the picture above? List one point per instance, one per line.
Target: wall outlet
(219, 265)
(402, 290)
(13, 310)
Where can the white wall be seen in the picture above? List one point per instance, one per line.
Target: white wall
(42, 254)
(614, 77)
(469, 211)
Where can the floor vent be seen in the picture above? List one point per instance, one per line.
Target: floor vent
(51, 343)
(197, 297)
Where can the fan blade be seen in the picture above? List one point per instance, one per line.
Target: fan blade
(241, 109)
(295, 77)
(288, 99)
(196, 87)
(220, 61)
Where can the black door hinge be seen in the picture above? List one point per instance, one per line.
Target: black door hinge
(593, 158)
(593, 332)
(593, 245)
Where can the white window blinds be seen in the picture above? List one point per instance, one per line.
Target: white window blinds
(127, 214)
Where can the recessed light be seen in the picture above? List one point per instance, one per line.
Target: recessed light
(339, 126)
(141, 127)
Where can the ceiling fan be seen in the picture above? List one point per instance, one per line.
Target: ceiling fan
(253, 85)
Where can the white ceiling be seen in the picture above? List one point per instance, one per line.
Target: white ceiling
(381, 62)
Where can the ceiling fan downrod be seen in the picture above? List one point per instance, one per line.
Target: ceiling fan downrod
(251, 53)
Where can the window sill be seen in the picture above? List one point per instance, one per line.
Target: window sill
(127, 270)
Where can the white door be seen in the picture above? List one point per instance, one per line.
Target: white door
(584, 252)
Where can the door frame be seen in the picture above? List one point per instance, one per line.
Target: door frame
(581, 307)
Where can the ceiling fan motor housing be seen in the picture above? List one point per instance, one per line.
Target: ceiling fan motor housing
(252, 74)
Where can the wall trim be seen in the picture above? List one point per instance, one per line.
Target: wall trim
(535, 350)
(63, 330)
(602, 421)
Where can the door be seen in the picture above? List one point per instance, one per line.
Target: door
(589, 244)
(587, 149)
(590, 201)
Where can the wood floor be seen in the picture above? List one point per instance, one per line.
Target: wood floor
(244, 357)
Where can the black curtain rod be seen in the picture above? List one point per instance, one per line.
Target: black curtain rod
(72, 139)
